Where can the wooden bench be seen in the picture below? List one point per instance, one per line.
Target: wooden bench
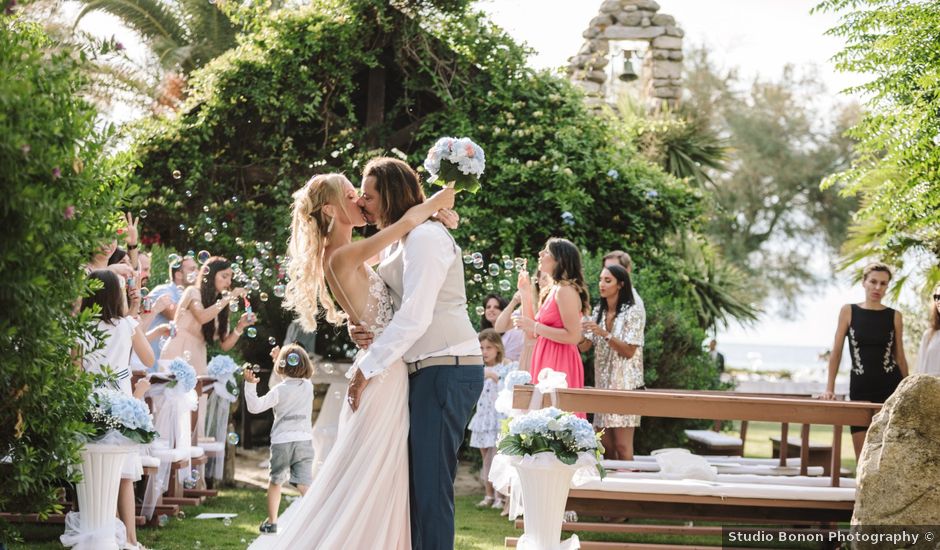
(821, 510)
(819, 454)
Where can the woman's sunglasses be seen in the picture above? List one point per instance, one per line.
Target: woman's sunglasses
(936, 297)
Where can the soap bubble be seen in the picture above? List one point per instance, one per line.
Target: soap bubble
(226, 521)
(177, 174)
(263, 296)
(520, 263)
(208, 236)
(182, 227)
(235, 392)
(478, 264)
(272, 341)
(203, 256)
(477, 257)
(191, 277)
(477, 277)
(189, 193)
(162, 520)
(508, 264)
(328, 368)
(181, 516)
(255, 285)
(480, 310)
(293, 359)
(194, 474)
(142, 213)
(205, 208)
(233, 306)
(489, 285)
(493, 269)
(174, 260)
(251, 332)
(187, 355)
(504, 285)
(467, 259)
(268, 272)
(279, 291)
(189, 484)
(232, 438)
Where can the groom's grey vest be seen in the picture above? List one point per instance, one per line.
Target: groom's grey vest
(451, 324)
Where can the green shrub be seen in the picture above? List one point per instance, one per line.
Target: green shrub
(57, 199)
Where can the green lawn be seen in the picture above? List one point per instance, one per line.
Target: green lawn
(759, 433)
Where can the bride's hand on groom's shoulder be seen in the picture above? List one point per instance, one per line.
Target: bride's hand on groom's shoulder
(450, 218)
(360, 335)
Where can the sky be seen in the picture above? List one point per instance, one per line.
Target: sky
(757, 36)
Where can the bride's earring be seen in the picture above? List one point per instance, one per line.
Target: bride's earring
(329, 227)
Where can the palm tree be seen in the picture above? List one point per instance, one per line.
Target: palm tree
(182, 35)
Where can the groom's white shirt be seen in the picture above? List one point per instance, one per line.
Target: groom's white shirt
(428, 253)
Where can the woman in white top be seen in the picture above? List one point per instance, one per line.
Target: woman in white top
(928, 358)
(121, 334)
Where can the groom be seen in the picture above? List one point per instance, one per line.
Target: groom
(431, 331)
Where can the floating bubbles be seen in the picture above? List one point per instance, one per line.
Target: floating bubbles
(187, 355)
(194, 474)
(477, 277)
(493, 269)
(182, 227)
(240, 242)
(263, 296)
(191, 277)
(478, 265)
(467, 259)
(203, 256)
(226, 521)
(243, 541)
(251, 507)
(328, 368)
(520, 263)
(293, 359)
(272, 341)
(177, 174)
(268, 272)
(174, 260)
(224, 225)
(142, 213)
(480, 310)
(234, 392)
(281, 364)
(489, 285)
(233, 306)
(234, 198)
(205, 208)
(256, 368)
(208, 236)
(504, 285)
(181, 516)
(232, 438)
(189, 483)
(279, 291)
(508, 264)
(251, 332)
(255, 285)
(189, 193)
(163, 520)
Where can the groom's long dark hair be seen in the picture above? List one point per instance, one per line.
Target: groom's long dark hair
(398, 187)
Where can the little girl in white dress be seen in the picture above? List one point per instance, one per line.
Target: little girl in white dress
(485, 425)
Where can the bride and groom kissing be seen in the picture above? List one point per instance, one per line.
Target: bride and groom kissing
(388, 482)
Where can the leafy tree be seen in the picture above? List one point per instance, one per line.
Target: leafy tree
(58, 195)
(896, 172)
(767, 214)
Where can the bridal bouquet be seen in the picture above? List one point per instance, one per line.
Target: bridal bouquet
(115, 411)
(551, 430)
(457, 161)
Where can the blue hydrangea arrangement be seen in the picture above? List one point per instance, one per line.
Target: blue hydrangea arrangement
(184, 375)
(551, 430)
(113, 410)
(221, 367)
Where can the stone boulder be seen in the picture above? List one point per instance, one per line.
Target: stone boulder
(899, 468)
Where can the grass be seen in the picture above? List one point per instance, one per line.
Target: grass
(758, 439)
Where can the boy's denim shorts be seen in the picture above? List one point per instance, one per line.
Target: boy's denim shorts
(292, 461)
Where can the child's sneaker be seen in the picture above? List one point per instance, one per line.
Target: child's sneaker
(268, 527)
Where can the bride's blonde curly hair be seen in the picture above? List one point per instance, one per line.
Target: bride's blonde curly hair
(309, 236)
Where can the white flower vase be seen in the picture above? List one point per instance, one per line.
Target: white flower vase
(545, 482)
(98, 494)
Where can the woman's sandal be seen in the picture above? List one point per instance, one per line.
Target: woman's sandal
(485, 503)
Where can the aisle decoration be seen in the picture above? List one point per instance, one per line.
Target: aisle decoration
(224, 392)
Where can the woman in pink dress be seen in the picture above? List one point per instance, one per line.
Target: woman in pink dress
(557, 325)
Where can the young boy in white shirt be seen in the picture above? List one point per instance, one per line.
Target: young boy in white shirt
(291, 434)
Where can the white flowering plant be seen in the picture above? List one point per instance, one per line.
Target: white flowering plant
(551, 430)
(457, 161)
(112, 410)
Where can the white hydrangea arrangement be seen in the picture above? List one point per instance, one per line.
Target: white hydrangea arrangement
(457, 161)
(551, 430)
(112, 410)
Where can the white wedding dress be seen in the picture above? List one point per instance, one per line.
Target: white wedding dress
(359, 499)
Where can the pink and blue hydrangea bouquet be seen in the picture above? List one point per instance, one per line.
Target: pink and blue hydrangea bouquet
(457, 161)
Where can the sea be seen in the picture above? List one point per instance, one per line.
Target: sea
(779, 368)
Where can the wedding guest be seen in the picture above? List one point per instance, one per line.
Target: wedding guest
(616, 329)
(519, 305)
(202, 315)
(291, 433)
(122, 334)
(876, 345)
(513, 338)
(557, 325)
(624, 260)
(716, 356)
(181, 277)
(485, 425)
(131, 239)
(928, 358)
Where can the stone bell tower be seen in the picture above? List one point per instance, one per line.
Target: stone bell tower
(660, 76)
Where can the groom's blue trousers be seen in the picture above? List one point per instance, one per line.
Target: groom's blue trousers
(441, 399)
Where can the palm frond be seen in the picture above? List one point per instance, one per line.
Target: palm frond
(152, 19)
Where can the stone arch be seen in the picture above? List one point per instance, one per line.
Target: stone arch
(633, 20)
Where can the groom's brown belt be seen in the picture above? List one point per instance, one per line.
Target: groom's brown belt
(444, 360)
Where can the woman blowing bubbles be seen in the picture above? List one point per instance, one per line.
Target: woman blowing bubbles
(876, 336)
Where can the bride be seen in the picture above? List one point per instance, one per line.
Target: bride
(359, 498)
